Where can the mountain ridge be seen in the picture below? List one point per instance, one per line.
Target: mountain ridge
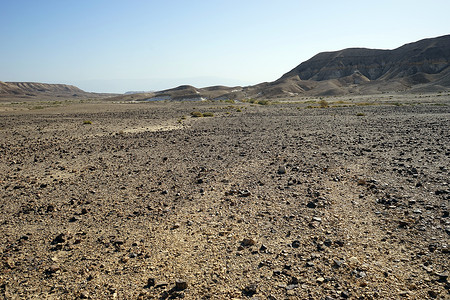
(421, 66)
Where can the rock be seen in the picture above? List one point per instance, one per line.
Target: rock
(248, 242)
(353, 261)
(441, 192)
(60, 238)
(433, 294)
(295, 244)
(311, 204)
(181, 285)
(53, 269)
(443, 276)
(244, 193)
(291, 287)
(175, 226)
(337, 263)
(151, 282)
(263, 248)
(84, 295)
(161, 284)
(320, 280)
(294, 280)
(250, 290)
(317, 219)
(281, 170)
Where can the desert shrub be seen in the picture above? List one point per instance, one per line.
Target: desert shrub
(87, 122)
(263, 102)
(323, 103)
(360, 114)
(208, 114)
(196, 114)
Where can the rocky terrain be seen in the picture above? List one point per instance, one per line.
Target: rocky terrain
(314, 199)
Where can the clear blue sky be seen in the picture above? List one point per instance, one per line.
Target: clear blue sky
(117, 46)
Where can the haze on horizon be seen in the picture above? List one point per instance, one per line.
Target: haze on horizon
(118, 46)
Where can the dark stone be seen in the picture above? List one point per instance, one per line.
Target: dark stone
(345, 294)
(161, 284)
(181, 285)
(311, 204)
(151, 282)
(432, 294)
(250, 290)
(248, 242)
(60, 238)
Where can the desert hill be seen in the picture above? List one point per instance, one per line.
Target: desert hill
(428, 56)
(416, 66)
(35, 90)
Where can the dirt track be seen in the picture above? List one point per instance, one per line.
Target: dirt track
(263, 201)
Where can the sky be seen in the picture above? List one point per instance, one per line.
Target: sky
(118, 46)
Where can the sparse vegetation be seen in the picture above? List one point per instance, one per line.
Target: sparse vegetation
(260, 102)
(196, 114)
(323, 103)
(263, 102)
(360, 114)
(208, 114)
(87, 122)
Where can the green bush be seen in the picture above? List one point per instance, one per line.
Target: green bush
(86, 122)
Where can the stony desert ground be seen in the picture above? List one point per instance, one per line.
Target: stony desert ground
(343, 199)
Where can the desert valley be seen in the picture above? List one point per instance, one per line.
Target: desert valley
(331, 182)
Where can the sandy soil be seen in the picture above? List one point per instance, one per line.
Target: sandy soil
(281, 201)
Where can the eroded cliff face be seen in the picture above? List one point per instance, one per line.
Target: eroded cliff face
(429, 56)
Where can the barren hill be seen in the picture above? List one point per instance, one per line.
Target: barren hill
(35, 90)
(420, 65)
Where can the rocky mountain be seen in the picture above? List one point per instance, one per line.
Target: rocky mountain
(428, 56)
(420, 65)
